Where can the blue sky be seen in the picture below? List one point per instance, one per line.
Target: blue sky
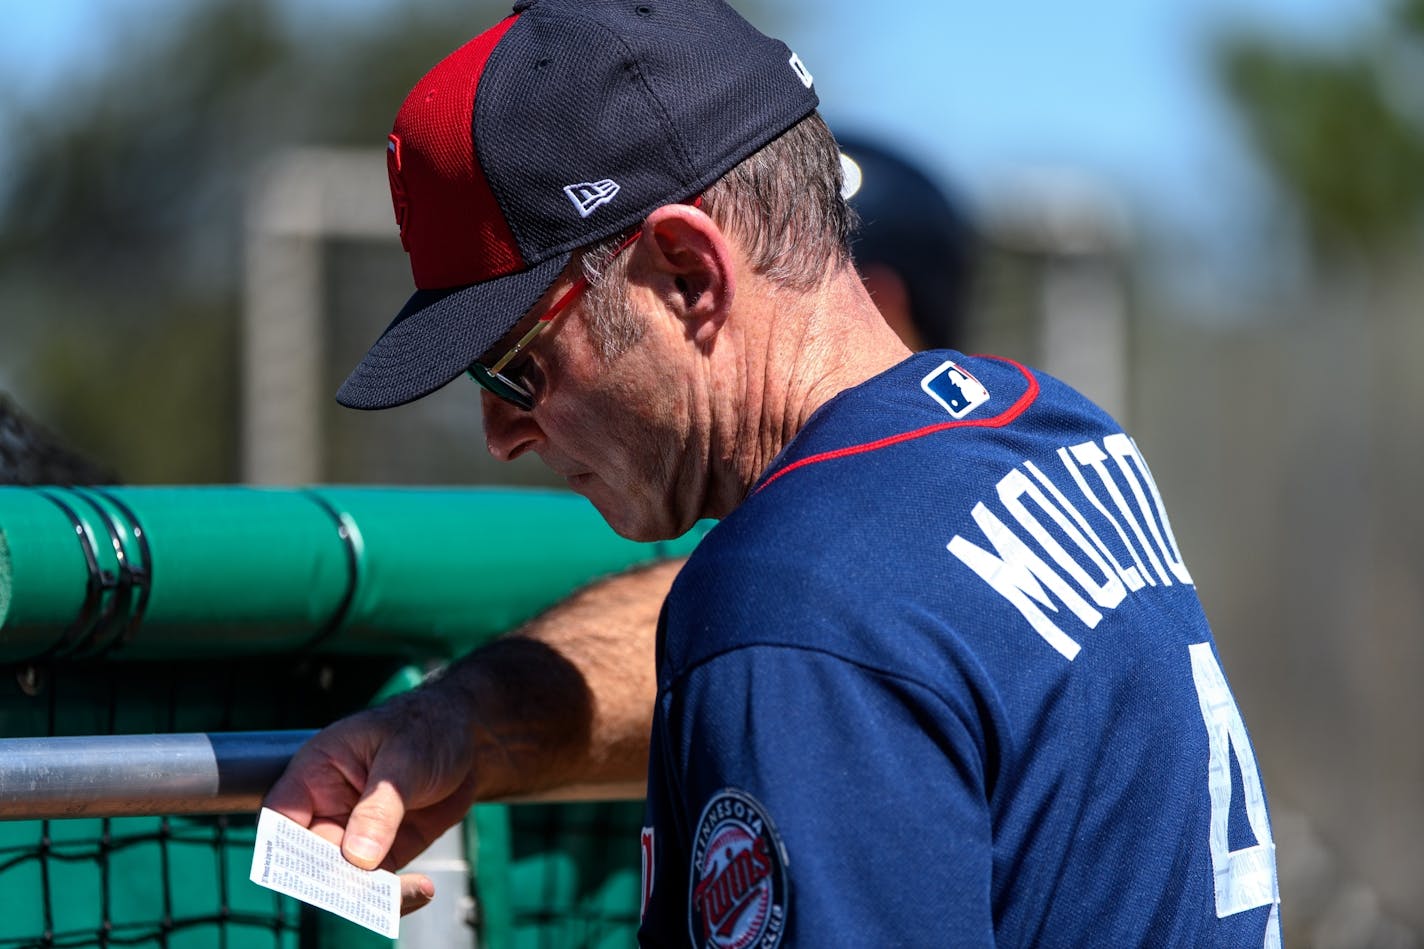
(1114, 92)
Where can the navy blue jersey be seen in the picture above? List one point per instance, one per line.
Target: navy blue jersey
(943, 679)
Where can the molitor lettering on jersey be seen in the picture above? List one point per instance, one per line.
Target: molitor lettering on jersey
(1089, 535)
(738, 897)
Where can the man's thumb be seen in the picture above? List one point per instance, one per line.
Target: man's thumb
(373, 825)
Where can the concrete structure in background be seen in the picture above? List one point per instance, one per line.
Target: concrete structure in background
(325, 273)
(300, 201)
(1075, 242)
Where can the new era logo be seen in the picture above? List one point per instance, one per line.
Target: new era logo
(587, 195)
(954, 388)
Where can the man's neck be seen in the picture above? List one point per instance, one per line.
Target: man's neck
(797, 352)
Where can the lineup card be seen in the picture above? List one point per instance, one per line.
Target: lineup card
(290, 859)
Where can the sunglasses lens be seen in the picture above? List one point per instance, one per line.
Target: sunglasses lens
(501, 387)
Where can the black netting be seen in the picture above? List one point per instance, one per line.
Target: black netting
(170, 882)
(137, 881)
(566, 876)
(575, 874)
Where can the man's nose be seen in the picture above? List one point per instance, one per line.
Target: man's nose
(509, 430)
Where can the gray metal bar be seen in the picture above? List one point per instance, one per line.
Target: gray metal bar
(128, 775)
(151, 775)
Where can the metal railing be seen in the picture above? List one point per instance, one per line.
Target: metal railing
(153, 775)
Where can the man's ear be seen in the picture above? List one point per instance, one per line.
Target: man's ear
(694, 267)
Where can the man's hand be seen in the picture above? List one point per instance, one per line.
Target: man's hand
(385, 783)
(567, 701)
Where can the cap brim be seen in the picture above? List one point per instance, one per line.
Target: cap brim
(439, 333)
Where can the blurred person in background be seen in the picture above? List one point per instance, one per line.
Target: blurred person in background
(914, 245)
(31, 454)
(860, 733)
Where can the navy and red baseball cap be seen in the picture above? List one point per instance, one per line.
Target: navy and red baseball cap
(566, 123)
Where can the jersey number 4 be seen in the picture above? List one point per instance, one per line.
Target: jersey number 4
(1245, 879)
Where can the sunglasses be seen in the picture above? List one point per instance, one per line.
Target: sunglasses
(509, 384)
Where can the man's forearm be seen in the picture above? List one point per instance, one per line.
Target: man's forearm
(567, 699)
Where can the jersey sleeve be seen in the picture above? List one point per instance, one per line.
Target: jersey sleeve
(800, 777)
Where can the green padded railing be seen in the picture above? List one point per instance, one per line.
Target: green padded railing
(227, 609)
(181, 572)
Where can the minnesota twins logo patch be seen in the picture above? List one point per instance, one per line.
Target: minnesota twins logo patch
(952, 386)
(738, 898)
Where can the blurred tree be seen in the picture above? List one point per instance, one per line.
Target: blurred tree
(1341, 131)
(121, 223)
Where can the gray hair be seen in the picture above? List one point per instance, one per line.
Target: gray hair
(784, 203)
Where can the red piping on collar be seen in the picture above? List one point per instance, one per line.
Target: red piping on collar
(997, 421)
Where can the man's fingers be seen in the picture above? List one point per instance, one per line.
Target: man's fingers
(291, 796)
(373, 825)
(328, 830)
(416, 891)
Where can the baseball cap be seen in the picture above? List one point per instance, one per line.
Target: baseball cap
(566, 123)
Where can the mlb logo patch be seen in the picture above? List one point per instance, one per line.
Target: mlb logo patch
(953, 387)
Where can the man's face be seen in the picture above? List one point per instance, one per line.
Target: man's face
(616, 425)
